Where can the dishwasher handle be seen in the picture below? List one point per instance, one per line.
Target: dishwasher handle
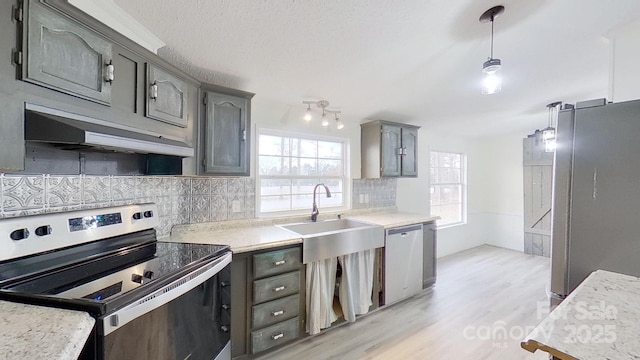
(404, 231)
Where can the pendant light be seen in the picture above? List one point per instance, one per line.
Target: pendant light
(491, 78)
(549, 133)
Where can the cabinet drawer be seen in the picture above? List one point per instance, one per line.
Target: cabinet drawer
(274, 335)
(274, 311)
(276, 287)
(276, 262)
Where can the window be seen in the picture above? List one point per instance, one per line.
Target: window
(289, 167)
(447, 187)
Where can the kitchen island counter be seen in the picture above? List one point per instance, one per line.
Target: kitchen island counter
(37, 332)
(598, 320)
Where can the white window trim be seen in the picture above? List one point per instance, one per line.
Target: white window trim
(464, 188)
(346, 185)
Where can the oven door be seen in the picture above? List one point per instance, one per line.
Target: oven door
(186, 319)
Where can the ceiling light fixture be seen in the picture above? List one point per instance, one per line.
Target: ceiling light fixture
(322, 104)
(549, 133)
(307, 115)
(339, 123)
(491, 80)
(325, 121)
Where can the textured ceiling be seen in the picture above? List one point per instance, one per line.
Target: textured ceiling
(416, 61)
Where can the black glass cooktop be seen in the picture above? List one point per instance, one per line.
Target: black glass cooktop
(103, 275)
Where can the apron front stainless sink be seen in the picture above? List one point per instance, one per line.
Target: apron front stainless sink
(331, 238)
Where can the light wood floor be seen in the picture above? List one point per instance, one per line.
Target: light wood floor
(478, 291)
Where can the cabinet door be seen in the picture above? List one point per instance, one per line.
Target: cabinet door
(391, 149)
(166, 97)
(66, 56)
(409, 152)
(226, 135)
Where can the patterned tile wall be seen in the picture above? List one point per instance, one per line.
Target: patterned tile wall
(180, 199)
(373, 193)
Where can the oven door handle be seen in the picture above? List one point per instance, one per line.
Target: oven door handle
(164, 295)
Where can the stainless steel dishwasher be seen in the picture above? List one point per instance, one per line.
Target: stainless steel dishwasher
(403, 263)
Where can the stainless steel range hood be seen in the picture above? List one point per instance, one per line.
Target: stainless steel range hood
(61, 128)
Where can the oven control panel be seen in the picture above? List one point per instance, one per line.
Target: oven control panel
(95, 221)
(29, 235)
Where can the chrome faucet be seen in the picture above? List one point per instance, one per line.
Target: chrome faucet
(314, 210)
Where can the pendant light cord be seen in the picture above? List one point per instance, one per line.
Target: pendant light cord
(491, 36)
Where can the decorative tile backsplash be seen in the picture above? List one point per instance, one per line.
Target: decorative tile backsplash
(373, 193)
(180, 199)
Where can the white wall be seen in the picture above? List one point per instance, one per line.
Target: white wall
(625, 57)
(413, 193)
(494, 191)
(502, 194)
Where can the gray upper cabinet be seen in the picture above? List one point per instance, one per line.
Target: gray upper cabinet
(409, 151)
(226, 132)
(166, 96)
(66, 56)
(389, 150)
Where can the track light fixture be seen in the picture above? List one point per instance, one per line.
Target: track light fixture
(322, 104)
(492, 81)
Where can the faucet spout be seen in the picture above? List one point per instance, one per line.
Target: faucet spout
(314, 209)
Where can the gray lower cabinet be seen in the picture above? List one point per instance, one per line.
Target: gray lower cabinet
(268, 298)
(389, 149)
(64, 55)
(429, 248)
(166, 98)
(225, 132)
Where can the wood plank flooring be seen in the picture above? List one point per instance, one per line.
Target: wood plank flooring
(478, 292)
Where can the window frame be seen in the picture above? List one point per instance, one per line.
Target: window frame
(462, 183)
(346, 180)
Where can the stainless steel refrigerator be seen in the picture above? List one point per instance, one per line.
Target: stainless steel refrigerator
(596, 193)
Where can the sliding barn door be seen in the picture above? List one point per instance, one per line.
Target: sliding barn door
(538, 168)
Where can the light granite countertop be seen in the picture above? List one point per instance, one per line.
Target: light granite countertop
(259, 234)
(240, 239)
(37, 332)
(600, 319)
(393, 219)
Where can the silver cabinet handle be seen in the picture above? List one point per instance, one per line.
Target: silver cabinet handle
(279, 336)
(399, 151)
(154, 90)
(244, 135)
(279, 288)
(109, 76)
(279, 262)
(277, 313)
